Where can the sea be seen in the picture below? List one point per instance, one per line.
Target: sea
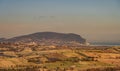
(105, 44)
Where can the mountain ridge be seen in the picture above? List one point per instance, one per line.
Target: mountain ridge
(2, 39)
(49, 38)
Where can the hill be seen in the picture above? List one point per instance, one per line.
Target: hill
(49, 38)
(2, 39)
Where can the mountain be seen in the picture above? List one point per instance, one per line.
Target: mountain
(2, 39)
(49, 38)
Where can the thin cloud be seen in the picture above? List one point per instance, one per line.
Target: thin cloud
(42, 17)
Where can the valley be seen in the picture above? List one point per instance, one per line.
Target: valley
(23, 57)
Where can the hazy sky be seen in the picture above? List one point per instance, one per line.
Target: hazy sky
(95, 20)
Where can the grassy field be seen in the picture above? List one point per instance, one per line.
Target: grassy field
(61, 58)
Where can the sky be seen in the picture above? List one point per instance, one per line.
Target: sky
(94, 20)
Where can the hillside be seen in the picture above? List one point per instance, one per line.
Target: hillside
(2, 39)
(49, 38)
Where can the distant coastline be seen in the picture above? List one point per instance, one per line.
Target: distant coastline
(104, 44)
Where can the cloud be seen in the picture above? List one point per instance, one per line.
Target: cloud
(42, 17)
(52, 16)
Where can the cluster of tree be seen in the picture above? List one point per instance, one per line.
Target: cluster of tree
(37, 68)
(104, 69)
